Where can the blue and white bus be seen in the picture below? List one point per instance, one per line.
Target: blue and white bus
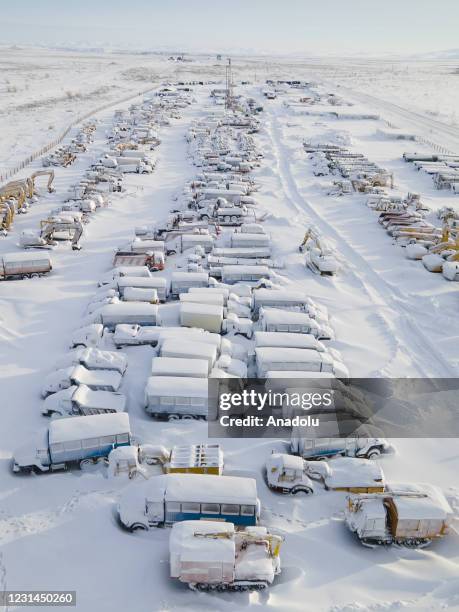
(169, 498)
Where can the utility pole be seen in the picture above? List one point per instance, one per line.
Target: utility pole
(229, 86)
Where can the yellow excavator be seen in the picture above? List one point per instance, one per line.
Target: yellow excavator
(6, 214)
(49, 173)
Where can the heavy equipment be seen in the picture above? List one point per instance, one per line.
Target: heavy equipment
(319, 257)
(67, 228)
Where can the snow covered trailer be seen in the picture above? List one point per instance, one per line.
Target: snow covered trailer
(97, 380)
(157, 283)
(205, 316)
(195, 459)
(242, 252)
(181, 282)
(287, 300)
(288, 340)
(171, 498)
(275, 320)
(208, 555)
(177, 346)
(139, 294)
(291, 359)
(213, 298)
(175, 397)
(24, 265)
(81, 440)
(241, 239)
(236, 274)
(190, 241)
(140, 313)
(179, 367)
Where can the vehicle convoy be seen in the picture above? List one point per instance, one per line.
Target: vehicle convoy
(408, 514)
(317, 448)
(81, 440)
(81, 400)
(170, 498)
(208, 556)
(24, 265)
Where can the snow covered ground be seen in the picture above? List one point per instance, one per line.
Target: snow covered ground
(391, 317)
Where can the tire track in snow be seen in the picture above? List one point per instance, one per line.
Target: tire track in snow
(407, 334)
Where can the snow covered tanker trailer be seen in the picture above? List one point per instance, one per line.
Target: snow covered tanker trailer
(409, 515)
(212, 556)
(171, 498)
(24, 265)
(81, 440)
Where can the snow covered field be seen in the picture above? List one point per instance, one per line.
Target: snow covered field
(391, 317)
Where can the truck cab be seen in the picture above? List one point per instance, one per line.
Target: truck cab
(286, 474)
(321, 448)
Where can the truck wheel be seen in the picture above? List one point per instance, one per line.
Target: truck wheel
(187, 417)
(306, 490)
(173, 417)
(85, 463)
(373, 453)
(204, 217)
(234, 219)
(138, 527)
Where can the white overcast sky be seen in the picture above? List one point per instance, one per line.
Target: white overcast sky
(276, 26)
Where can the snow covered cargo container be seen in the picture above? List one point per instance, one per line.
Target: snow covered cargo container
(291, 359)
(252, 228)
(223, 291)
(171, 498)
(283, 321)
(158, 283)
(352, 475)
(176, 366)
(24, 265)
(204, 316)
(175, 397)
(242, 252)
(147, 246)
(190, 241)
(241, 239)
(139, 294)
(288, 340)
(236, 274)
(214, 298)
(81, 400)
(188, 349)
(80, 440)
(411, 515)
(140, 313)
(208, 555)
(195, 459)
(181, 282)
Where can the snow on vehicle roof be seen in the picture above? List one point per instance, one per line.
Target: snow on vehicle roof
(105, 400)
(275, 316)
(21, 256)
(229, 270)
(187, 348)
(176, 386)
(290, 355)
(196, 455)
(241, 252)
(252, 228)
(131, 271)
(287, 340)
(243, 238)
(200, 308)
(147, 245)
(282, 460)
(179, 366)
(209, 290)
(197, 238)
(83, 427)
(95, 377)
(186, 545)
(189, 276)
(126, 308)
(373, 508)
(142, 281)
(276, 295)
(352, 472)
(428, 501)
(203, 298)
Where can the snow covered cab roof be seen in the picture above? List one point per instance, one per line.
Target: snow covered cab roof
(348, 472)
(94, 378)
(284, 461)
(175, 386)
(104, 400)
(83, 427)
(177, 366)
